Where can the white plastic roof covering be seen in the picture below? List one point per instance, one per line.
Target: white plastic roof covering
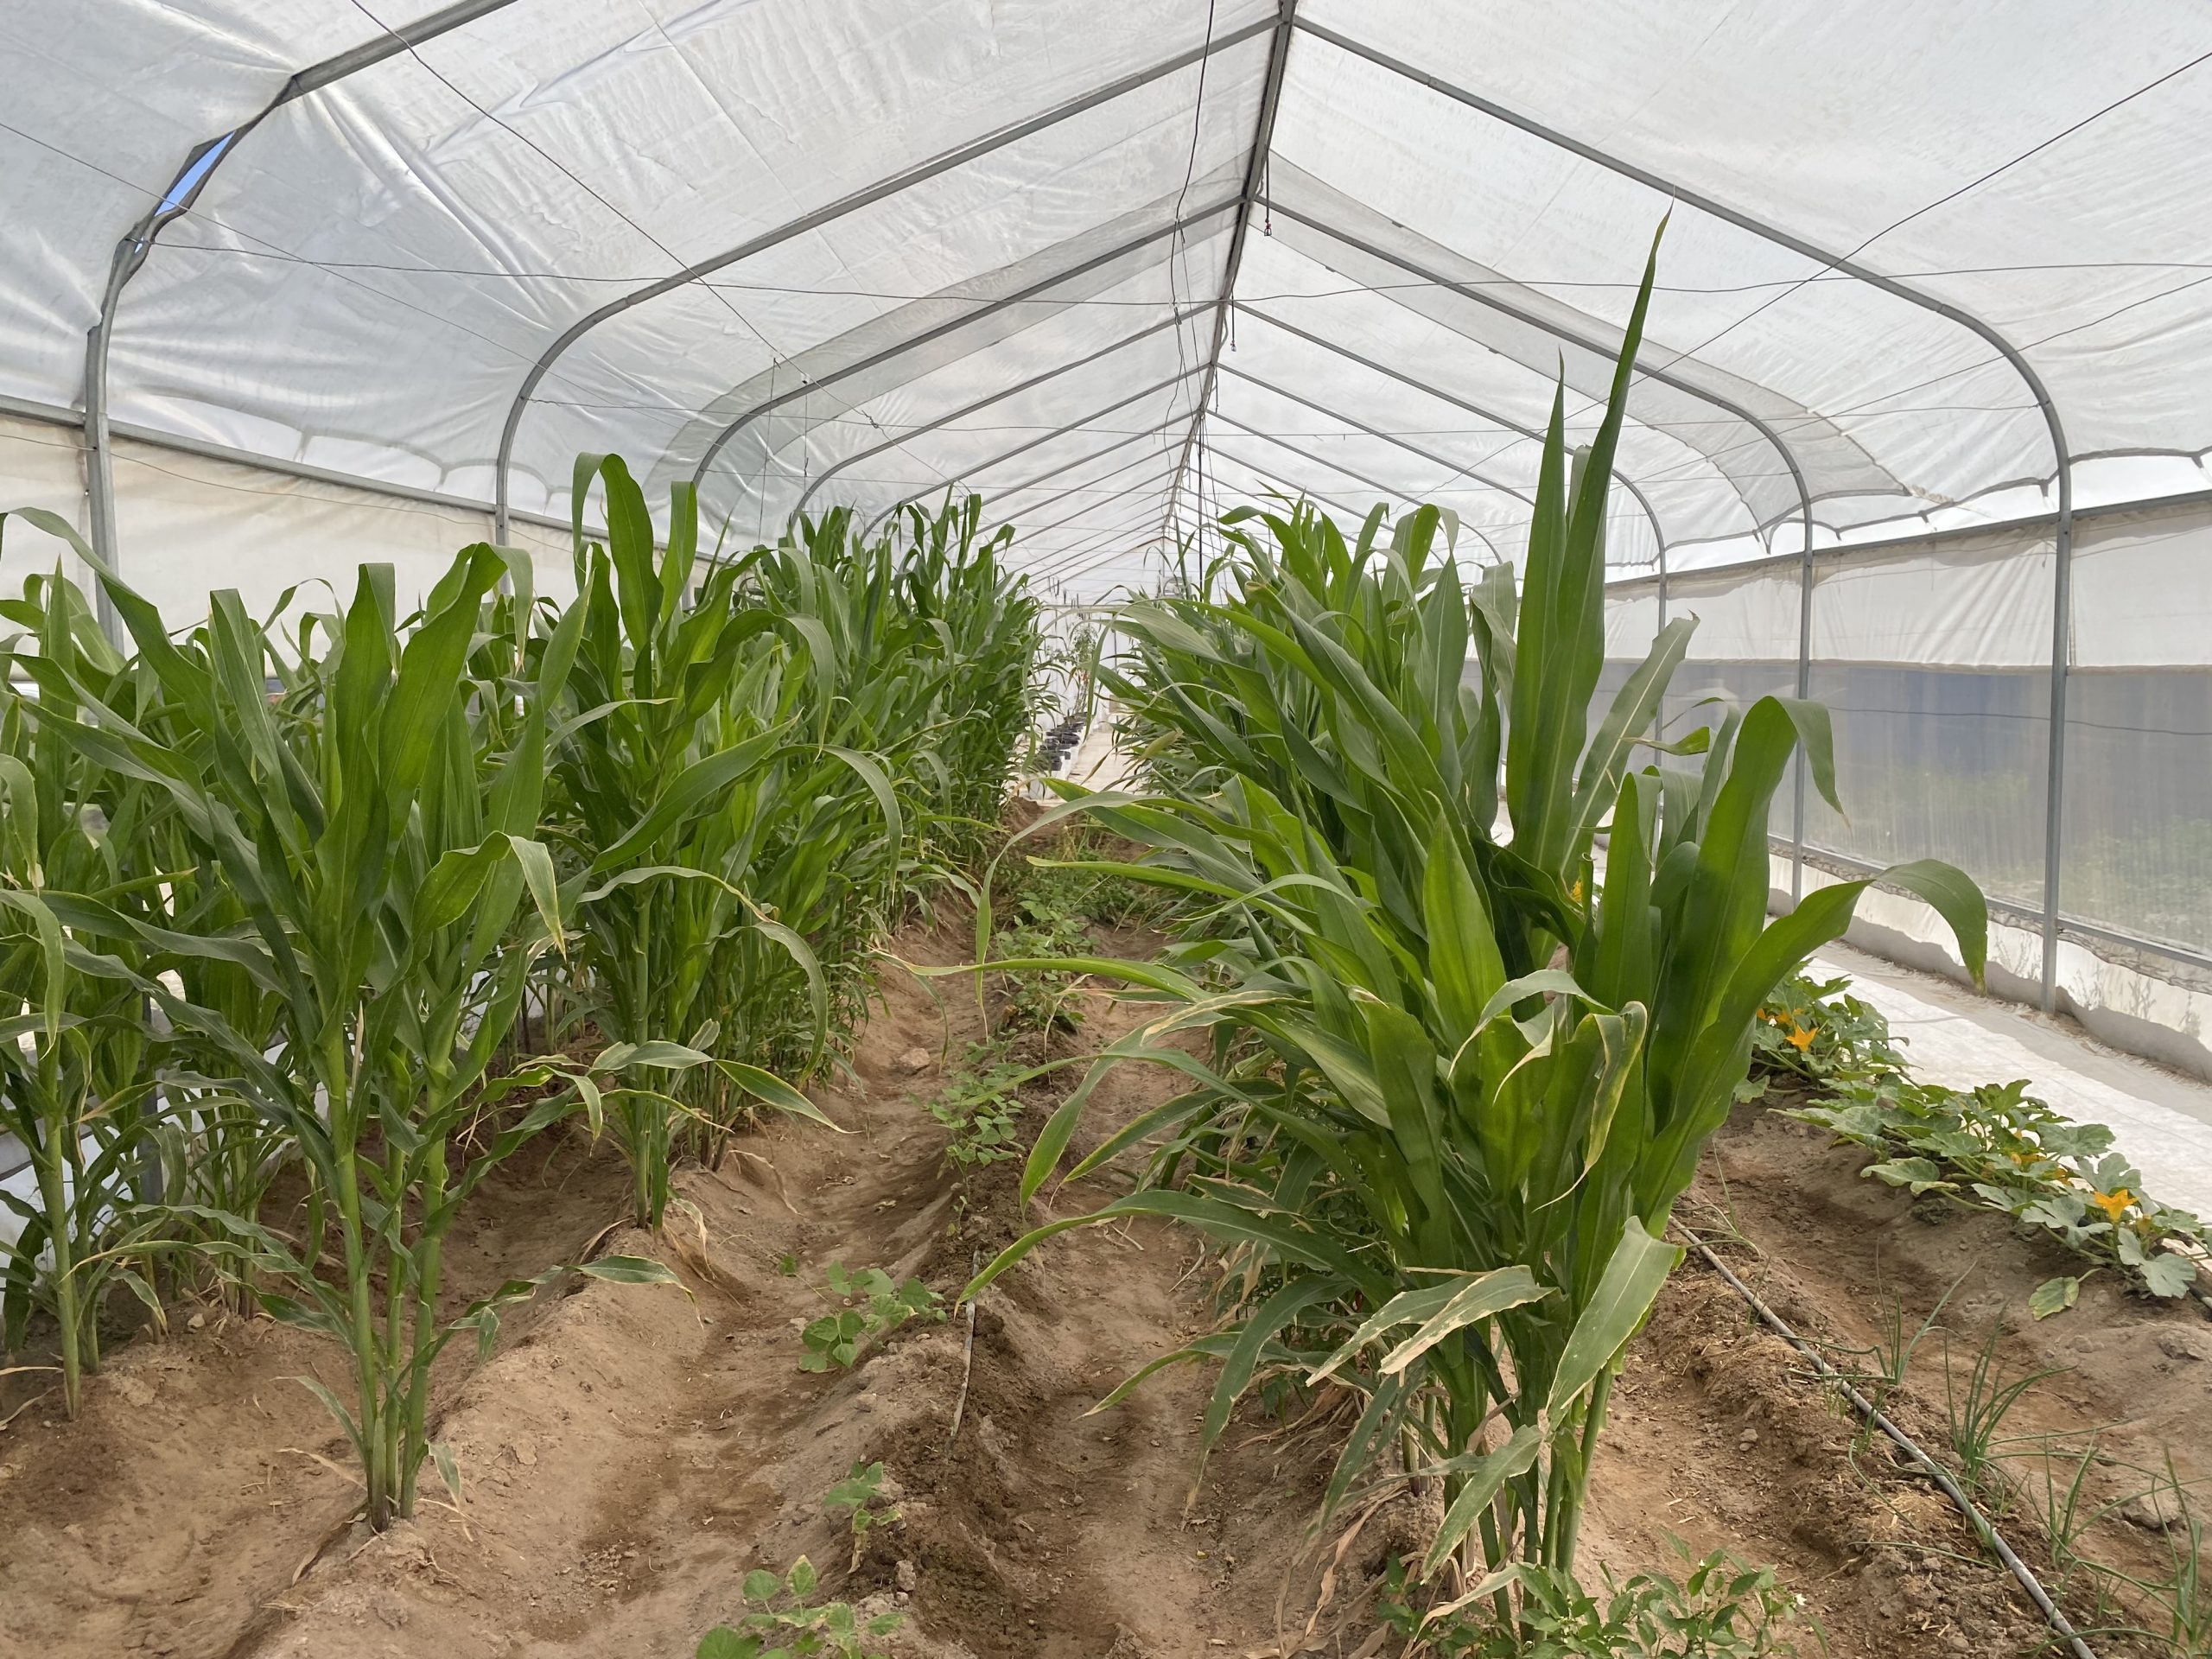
(1114, 263)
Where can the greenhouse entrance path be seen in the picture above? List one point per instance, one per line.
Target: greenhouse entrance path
(2163, 1119)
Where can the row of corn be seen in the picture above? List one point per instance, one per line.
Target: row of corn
(1472, 984)
(306, 924)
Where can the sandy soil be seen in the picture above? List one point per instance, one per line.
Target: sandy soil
(632, 1453)
(629, 1453)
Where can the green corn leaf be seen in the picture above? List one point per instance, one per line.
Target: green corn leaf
(628, 1271)
(766, 1086)
(1479, 1297)
(1616, 1311)
(1243, 1357)
(1516, 1457)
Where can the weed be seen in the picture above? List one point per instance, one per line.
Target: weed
(796, 1627)
(856, 1496)
(1893, 1349)
(1722, 1610)
(1037, 1000)
(2064, 1509)
(2180, 1609)
(870, 1306)
(1977, 1409)
(978, 1110)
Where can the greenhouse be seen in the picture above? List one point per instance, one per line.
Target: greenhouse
(978, 830)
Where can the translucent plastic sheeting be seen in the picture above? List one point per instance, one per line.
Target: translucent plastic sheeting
(1936, 663)
(277, 533)
(2137, 840)
(1934, 658)
(749, 240)
(233, 522)
(2142, 589)
(104, 103)
(411, 240)
(1982, 601)
(1747, 616)
(2136, 845)
(42, 465)
(2035, 167)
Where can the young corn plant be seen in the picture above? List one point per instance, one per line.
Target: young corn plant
(682, 718)
(396, 895)
(984, 632)
(72, 1045)
(1456, 1080)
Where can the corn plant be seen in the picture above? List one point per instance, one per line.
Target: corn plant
(987, 632)
(1457, 1080)
(72, 1085)
(680, 725)
(748, 773)
(395, 897)
(272, 899)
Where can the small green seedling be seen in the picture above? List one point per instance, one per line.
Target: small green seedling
(796, 1628)
(1722, 1610)
(978, 1112)
(856, 1496)
(871, 1305)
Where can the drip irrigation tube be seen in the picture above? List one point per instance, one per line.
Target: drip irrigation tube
(1926, 1465)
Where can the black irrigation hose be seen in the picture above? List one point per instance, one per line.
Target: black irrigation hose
(1926, 1465)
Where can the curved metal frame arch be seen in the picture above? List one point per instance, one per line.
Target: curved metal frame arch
(1390, 490)
(1108, 558)
(2061, 457)
(1093, 506)
(1658, 536)
(1256, 170)
(1459, 469)
(1071, 563)
(1010, 491)
(1033, 444)
(1083, 558)
(1035, 380)
(1056, 563)
(198, 166)
(937, 331)
(1053, 471)
(1056, 497)
(1337, 467)
(868, 194)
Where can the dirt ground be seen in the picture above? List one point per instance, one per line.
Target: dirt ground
(629, 1453)
(1776, 1471)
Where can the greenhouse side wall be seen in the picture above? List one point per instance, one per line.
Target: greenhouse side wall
(189, 517)
(1934, 658)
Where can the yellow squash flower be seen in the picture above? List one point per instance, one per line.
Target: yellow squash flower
(2114, 1203)
(1801, 1037)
